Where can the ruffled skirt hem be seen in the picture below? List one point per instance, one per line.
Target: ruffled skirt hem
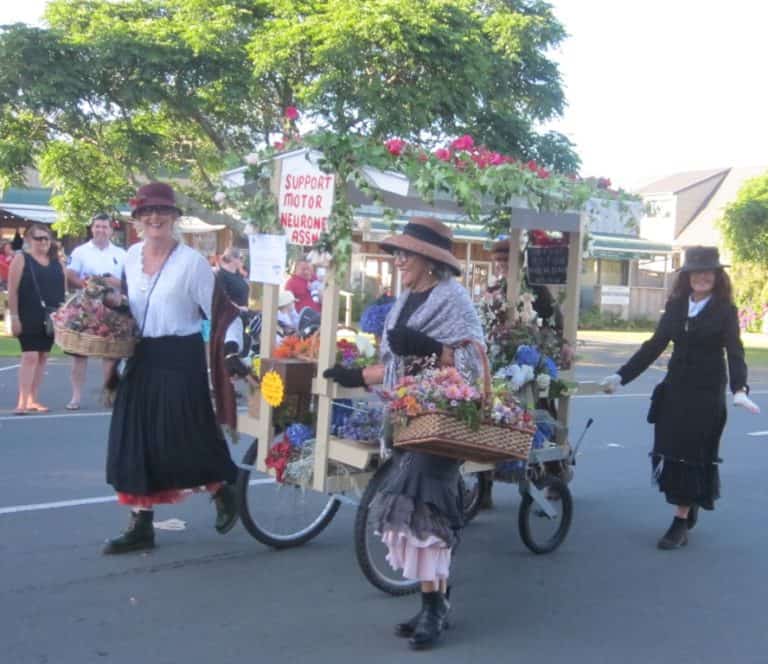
(424, 560)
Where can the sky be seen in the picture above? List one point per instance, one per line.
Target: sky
(654, 87)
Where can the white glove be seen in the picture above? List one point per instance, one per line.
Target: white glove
(611, 383)
(743, 401)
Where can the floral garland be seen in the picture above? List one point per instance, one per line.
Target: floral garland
(484, 183)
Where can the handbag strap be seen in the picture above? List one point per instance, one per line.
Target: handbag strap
(152, 288)
(34, 280)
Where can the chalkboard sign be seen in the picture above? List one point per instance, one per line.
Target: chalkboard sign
(547, 265)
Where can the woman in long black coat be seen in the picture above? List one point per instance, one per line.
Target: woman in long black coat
(688, 406)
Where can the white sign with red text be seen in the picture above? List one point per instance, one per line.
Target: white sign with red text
(306, 200)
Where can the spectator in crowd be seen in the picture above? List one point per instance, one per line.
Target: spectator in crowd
(231, 278)
(300, 284)
(98, 257)
(6, 256)
(287, 318)
(35, 286)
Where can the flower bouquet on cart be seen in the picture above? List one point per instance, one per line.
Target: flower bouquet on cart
(84, 325)
(439, 412)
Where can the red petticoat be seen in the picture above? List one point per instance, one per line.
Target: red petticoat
(164, 497)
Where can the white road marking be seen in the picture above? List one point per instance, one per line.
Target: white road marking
(13, 366)
(758, 433)
(79, 502)
(53, 416)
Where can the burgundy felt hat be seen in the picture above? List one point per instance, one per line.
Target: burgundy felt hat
(154, 193)
(426, 237)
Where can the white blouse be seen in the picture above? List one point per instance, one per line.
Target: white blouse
(184, 287)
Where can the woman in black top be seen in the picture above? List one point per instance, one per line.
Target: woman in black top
(35, 282)
(230, 278)
(688, 406)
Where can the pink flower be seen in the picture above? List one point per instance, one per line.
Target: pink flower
(395, 146)
(291, 113)
(443, 154)
(496, 159)
(542, 173)
(532, 166)
(279, 145)
(465, 142)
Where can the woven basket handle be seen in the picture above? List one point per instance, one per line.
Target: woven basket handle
(480, 348)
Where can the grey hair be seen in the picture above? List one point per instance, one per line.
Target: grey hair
(440, 271)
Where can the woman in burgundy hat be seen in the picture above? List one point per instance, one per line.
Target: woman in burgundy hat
(164, 438)
(419, 508)
(688, 405)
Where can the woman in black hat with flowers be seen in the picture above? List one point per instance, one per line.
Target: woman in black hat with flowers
(418, 510)
(688, 406)
(164, 438)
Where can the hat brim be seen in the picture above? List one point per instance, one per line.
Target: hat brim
(702, 268)
(424, 249)
(149, 202)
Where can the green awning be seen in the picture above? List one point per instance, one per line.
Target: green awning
(625, 247)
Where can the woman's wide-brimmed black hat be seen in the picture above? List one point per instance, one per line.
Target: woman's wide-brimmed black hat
(153, 194)
(700, 259)
(426, 237)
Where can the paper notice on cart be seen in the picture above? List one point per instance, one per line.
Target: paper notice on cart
(268, 256)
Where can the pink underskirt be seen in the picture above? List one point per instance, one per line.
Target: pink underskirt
(163, 497)
(419, 559)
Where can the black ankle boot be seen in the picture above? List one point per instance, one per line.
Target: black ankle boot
(693, 516)
(676, 536)
(139, 536)
(431, 622)
(226, 509)
(407, 628)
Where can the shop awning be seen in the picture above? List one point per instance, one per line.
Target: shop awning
(625, 247)
(193, 225)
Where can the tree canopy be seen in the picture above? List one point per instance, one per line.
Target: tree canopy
(112, 92)
(745, 222)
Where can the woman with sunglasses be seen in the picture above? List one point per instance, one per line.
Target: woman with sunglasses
(35, 283)
(418, 511)
(164, 439)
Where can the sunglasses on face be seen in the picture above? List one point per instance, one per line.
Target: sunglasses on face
(41, 238)
(401, 255)
(158, 210)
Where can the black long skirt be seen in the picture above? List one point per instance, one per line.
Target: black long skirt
(163, 435)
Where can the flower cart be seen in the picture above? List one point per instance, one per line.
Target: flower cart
(282, 508)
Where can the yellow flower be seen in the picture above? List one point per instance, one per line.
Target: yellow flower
(272, 388)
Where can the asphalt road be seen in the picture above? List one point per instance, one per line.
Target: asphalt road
(606, 596)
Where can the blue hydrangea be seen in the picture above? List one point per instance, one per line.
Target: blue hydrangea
(372, 318)
(550, 367)
(527, 355)
(299, 434)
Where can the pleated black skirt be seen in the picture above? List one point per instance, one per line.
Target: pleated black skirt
(163, 435)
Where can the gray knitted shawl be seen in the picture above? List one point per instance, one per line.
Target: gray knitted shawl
(448, 316)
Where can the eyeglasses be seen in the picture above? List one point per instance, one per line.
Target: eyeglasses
(41, 238)
(159, 210)
(401, 255)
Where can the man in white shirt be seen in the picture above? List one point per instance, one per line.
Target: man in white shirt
(97, 257)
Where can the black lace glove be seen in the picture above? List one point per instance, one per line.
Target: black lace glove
(232, 360)
(406, 341)
(345, 377)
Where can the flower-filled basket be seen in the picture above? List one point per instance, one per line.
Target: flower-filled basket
(440, 413)
(84, 325)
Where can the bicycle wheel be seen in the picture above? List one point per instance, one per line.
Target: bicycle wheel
(280, 515)
(540, 532)
(370, 550)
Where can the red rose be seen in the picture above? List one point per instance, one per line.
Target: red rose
(291, 113)
(395, 146)
(532, 166)
(465, 142)
(443, 154)
(542, 173)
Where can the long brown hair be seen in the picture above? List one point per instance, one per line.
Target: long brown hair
(722, 289)
(53, 249)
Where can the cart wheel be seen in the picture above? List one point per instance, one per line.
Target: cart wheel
(472, 485)
(539, 532)
(370, 550)
(280, 515)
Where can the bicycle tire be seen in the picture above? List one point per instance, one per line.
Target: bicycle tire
(472, 496)
(316, 523)
(526, 514)
(379, 576)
